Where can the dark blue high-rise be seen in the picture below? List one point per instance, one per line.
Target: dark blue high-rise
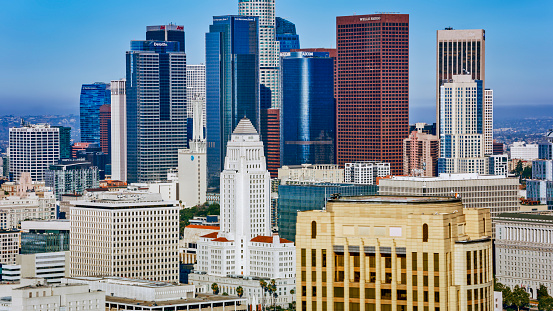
(93, 96)
(308, 112)
(232, 84)
(156, 108)
(285, 32)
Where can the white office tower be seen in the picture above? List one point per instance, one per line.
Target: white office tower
(118, 130)
(125, 234)
(269, 48)
(488, 121)
(365, 172)
(244, 248)
(195, 89)
(33, 148)
(192, 163)
(462, 140)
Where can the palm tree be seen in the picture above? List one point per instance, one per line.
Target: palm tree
(263, 285)
(272, 289)
(239, 291)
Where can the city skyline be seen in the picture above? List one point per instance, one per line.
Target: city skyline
(95, 51)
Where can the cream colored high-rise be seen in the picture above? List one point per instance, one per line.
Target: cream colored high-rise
(459, 51)
(269, 48)
(131, 235)
(394, 253)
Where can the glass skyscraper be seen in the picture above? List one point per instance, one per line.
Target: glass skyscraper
(93, 96)
(156, 108)
(308, 109)
(232, 87)
(166, 33)
(286, 34)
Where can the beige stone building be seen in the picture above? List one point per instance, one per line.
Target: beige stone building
(9, 246)
(311, 173)
(125, 234)
(394, 253)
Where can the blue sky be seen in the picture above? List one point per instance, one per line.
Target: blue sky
(51, 47)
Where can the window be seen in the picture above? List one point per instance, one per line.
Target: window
(313, 230)
(425, 233)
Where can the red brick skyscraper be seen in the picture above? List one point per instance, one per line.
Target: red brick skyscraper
(373, 88)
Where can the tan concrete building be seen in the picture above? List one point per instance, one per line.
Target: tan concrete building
(420, 154)
(311, 173)
(125, 234)
(9, 246)
(394, 253)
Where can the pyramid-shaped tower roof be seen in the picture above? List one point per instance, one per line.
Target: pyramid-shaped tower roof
(245, 127)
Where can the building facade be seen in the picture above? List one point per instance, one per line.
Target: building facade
(15, 209)
(245, 248)
(195, 90)
(72, 177)
(540, 187)
(93, 96)
(103, 239)
(36, 294)
(156, 107)
(459, 51)
(105, 128)
(9, 246)
(309, 173)
(420, 154)
(193, 164)
(523, 151)
(118, 130)
(286, 35)
(169, 32)
(462, 127)
(65, 141)
(269, 60)
(522, 252)
(232, 91)
(32, 149)
(308, 109)
(293, 199)
(395, 253)
(366, 172)
(45, 236)
(372, 89)
(499, 194)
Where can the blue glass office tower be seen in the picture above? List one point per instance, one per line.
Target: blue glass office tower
(232, 84)
(308, 109)
(156, 108)
(92, 97)
(166, 33)
(285, 32)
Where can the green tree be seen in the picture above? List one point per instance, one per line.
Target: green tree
(225, 294)
(205, 209)
(545, 303)
(542, 291)
(239, 291)
(520, 298)
(215, 288)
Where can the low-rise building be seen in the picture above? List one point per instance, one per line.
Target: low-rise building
(394, 253)
(365, 172)
(72, 176)
(143, 295)
(15, 209)
(36, 294)
(52, 267)
(523, 251)
(499, 194)
(523, 151)
(45, 236)
(311, 173)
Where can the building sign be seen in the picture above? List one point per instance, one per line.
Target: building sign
(372, 18)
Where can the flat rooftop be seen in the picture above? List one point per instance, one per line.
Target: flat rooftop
(520, 217)
(126, 281)
(444, 177)
(200, 298)
(384, 199)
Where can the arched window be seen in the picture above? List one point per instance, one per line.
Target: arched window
(425, 233)
(449, 229)
(313, 230)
